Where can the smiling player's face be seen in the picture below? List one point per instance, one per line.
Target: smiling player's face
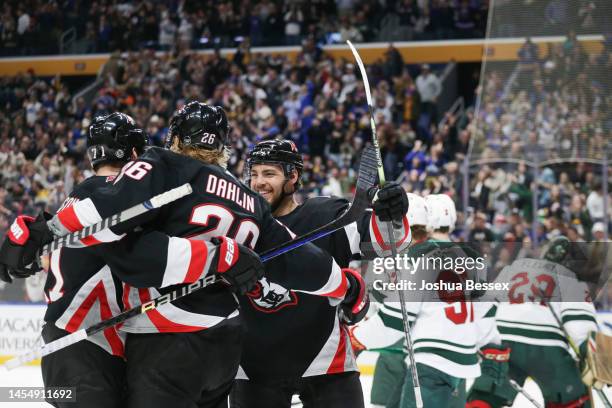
(268, 180)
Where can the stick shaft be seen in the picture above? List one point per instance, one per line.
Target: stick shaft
(132, 212)
(390, 230)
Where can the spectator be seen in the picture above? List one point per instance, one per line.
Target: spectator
(167, 32)
(294, 18)
(595, 203)
(429, 87)
(480, 232)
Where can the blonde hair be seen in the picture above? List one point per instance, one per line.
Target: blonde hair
(220, 158)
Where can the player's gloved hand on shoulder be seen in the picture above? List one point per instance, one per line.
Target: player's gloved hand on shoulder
(356, 303)
(390, 203)
(237, 264)
(18, 253)
(494, 363)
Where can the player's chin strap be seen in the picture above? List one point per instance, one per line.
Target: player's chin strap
(391, 232)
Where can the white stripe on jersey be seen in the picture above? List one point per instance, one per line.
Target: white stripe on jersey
(143, 324)
(94, 313)
(177, 264)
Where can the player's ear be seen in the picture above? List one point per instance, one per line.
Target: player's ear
(294, 177)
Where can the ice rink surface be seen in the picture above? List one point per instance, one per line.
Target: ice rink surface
(30, 377)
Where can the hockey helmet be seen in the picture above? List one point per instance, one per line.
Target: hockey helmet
(200, 125)
(572, 255)
(440, 212)
(448, 217)
(111, 138)
(417, 210)
(281, 152)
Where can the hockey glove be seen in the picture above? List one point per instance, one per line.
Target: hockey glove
(356, 303)
(494, 365)
(594, 368)
(237, 265)
(23, 240)
(390, 203)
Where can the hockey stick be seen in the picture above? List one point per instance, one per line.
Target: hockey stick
(521, 390)
(365, 179)
(148, 205)
(390, 230)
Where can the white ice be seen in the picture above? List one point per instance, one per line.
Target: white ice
(31, 377)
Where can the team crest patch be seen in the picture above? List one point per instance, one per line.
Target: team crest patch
(270, 297)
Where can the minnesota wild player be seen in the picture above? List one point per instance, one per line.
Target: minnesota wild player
(444, 330)
(540, 348)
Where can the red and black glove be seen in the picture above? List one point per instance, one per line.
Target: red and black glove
(356, 302)
(390, 203)
(237, 265)
(18, 255)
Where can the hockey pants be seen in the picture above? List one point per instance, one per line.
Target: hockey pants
(183, 370)
(97, 376)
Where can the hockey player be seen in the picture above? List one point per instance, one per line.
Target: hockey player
(322, 368)
(188, 352)
(444, 334)
(390, 367)
(527, 326)
(81, 290)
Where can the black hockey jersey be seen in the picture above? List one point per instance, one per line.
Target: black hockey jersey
(80, 289)
(220, 205)
(304, 336)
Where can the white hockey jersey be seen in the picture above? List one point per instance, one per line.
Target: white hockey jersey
(522, 317)
(444, 333)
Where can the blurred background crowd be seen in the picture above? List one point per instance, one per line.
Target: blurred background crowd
(34, 27)
(536, 133)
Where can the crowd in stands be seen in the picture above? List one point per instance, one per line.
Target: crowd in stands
(319, 103)
(36, 26)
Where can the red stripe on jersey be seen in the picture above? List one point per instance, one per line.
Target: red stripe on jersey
(126, 296)
(162, 324)
(199, 253)
(378, 235)
(69, 219)
(337, 364)
(97, 293)
(110, 334)
(90, 241)
(340, 291)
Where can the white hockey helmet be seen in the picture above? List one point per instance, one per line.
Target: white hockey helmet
(448, 218)
(433, 211)
(441, 212)
(417, 210)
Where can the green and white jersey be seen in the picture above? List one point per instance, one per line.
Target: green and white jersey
(444, 333)
(524, 319)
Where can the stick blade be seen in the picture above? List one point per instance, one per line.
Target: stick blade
(368, 169)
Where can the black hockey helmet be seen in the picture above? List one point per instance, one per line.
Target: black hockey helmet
(573, 255)
(111, 138)
(200, 125)
(281, 152)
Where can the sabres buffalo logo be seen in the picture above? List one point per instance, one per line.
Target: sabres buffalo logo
(269, 297)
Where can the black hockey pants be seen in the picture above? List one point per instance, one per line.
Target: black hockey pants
(341, 390)
(183, 370)
(97, 376)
